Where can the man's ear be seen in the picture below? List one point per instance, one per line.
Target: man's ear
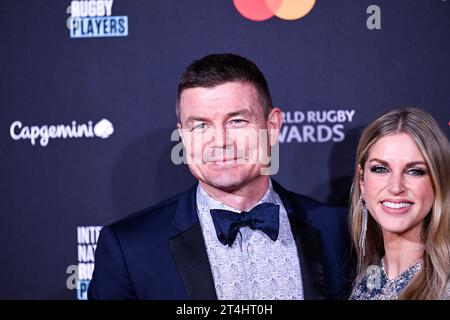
(274, 123)
(180, 131)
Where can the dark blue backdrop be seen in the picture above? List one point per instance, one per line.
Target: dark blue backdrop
(328, 60)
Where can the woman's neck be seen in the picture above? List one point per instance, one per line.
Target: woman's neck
(401, 252)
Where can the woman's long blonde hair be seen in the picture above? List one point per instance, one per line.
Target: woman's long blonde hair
(431, 281)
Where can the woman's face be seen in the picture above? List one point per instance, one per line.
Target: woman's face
(396, 185)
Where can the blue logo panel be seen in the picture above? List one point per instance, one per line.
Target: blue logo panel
(95, 27)
(82, 289)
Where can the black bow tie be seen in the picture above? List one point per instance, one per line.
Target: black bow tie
(264, 217)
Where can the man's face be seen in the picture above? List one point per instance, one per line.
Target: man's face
(226, 136)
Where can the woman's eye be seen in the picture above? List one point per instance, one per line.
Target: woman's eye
(379, 169)
(416, 172)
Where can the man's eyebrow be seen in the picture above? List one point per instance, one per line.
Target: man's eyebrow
(243, 112)
(196, 118)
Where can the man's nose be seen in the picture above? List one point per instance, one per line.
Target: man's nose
(221, 138)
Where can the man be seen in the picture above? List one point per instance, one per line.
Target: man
(236, 234)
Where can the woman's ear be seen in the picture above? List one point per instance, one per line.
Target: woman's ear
(361, 178)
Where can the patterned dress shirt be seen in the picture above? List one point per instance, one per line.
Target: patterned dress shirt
(254, 267)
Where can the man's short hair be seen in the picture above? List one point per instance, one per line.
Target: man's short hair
(216, 69)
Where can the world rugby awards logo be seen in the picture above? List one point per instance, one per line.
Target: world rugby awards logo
(315, 126)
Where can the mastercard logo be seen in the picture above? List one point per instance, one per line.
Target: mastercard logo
(260, 10)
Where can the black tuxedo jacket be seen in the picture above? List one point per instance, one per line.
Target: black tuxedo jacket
(159, 253)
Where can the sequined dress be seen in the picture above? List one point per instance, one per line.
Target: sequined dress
(375, 285)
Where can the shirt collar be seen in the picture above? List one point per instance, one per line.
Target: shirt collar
(209, 202)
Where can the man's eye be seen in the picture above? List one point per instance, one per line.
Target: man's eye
(379, 169)
(199, 126)
(238, 122)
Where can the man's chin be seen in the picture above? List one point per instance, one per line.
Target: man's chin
(228, 183)
(225, 186)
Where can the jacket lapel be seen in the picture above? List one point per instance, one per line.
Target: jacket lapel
(309, 247)
(189, 250)
(311, 259)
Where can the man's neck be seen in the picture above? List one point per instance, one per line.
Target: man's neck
(242, 199)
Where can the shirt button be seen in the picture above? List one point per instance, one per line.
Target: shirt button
(250, 249)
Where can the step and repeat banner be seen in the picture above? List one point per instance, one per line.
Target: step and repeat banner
(87, 107)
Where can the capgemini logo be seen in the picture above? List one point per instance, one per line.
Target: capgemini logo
(260, 10)
(43, 133)
(104, 128)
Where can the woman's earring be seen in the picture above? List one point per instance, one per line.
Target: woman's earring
(364, 214)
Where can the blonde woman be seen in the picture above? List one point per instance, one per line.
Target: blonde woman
(400, 209)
